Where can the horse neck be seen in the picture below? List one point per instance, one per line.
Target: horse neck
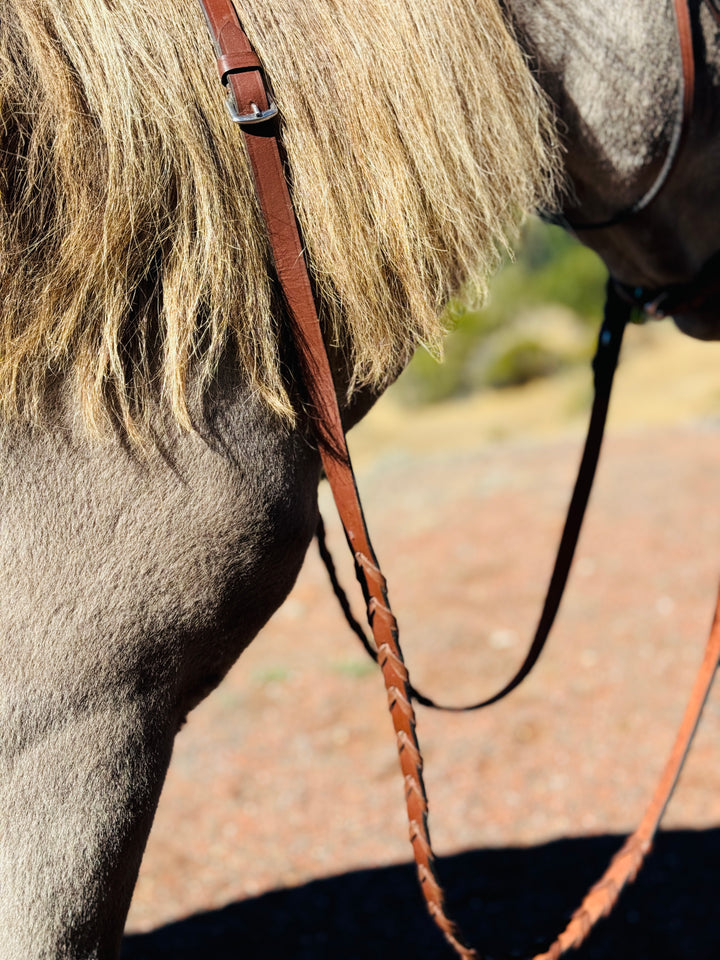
(612, 71)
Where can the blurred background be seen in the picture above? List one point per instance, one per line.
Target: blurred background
(281, 830)
(542, 318)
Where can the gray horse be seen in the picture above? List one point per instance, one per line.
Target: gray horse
(159, 482)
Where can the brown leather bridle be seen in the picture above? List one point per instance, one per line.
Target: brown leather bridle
(251, 106)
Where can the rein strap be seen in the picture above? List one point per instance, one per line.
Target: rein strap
(252, 108)
(247, 87)
(617, 313)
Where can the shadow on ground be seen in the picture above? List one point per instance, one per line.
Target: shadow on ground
(510, 902)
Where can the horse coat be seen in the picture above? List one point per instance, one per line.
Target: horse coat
(158, 475)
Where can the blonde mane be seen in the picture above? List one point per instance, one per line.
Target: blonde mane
(131, 251)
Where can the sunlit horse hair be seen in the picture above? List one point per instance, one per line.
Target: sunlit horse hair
(132, 253)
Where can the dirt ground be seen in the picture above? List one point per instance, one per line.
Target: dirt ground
(281, 829)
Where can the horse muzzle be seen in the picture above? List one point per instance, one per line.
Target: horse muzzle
(694, 305)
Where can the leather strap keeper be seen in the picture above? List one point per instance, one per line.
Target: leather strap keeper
(237, 62)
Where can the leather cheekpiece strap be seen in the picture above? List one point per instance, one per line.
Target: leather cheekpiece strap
(715, 8)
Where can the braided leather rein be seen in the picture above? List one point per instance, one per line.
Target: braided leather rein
(252, 108)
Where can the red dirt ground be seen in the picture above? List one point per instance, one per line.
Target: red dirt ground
(287, 775)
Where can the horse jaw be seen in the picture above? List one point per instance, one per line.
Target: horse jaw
(700, 326)
(616, 85)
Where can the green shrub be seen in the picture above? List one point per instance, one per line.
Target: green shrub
(552, 270)
(523, 361)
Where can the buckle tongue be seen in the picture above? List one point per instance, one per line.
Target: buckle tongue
(257, 116)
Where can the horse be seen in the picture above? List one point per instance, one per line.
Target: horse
(158, 468)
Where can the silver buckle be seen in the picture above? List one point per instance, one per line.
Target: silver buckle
(257, 116)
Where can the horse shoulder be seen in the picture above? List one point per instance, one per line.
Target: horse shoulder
(133, 581)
